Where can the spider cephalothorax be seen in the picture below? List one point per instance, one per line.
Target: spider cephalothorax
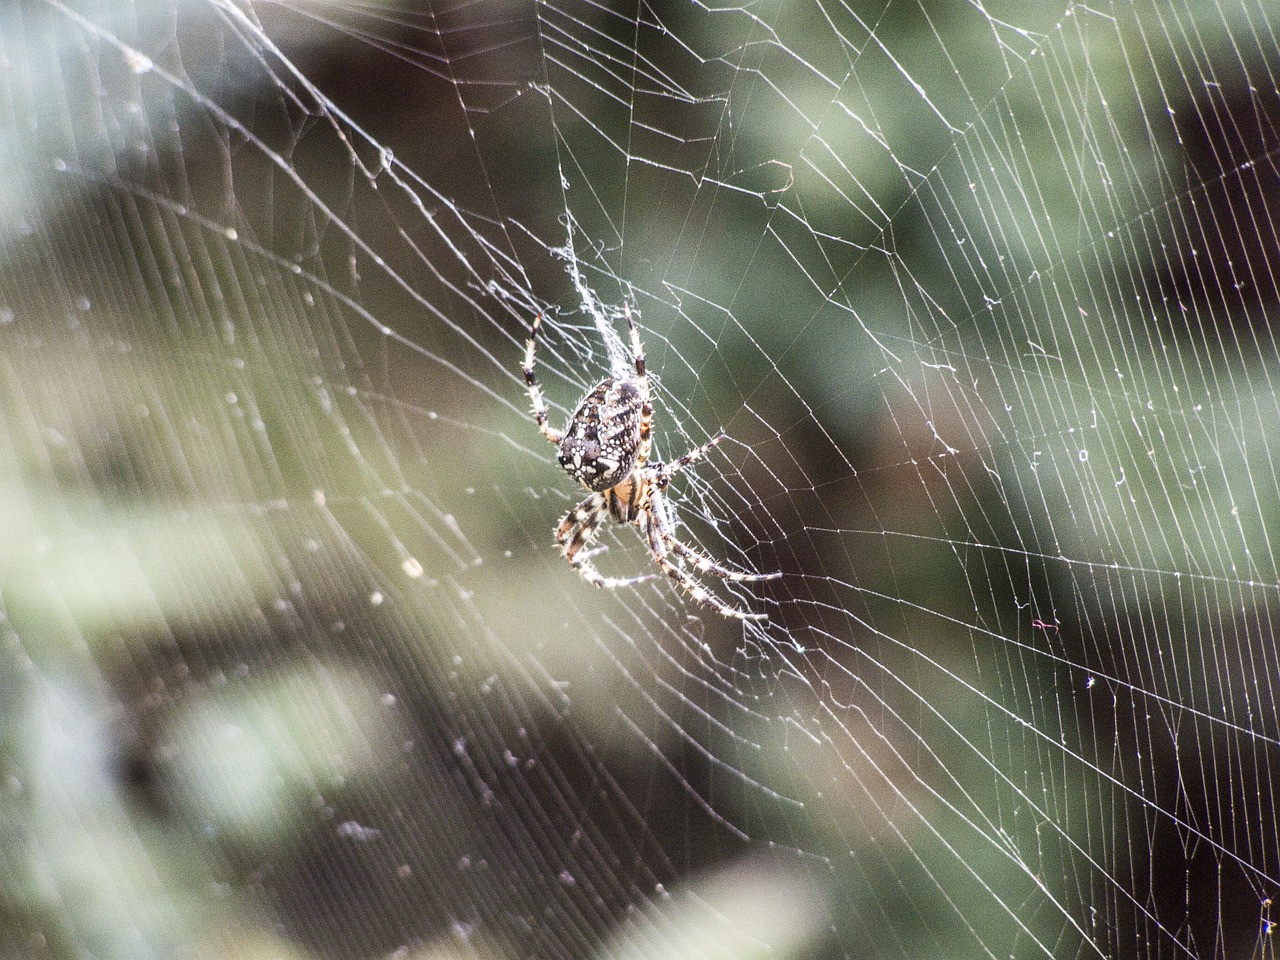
(605, 448)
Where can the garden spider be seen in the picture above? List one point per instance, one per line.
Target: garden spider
(605, 447)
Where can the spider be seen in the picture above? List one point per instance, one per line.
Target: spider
(605, 448)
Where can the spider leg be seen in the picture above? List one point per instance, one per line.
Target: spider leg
(646, 401)
(701, 562)
(535, 391)
(580, 525)
(688, 584)
(704, 564)
(578, 529)
(697, 453)
(586, 555)
(587, 570)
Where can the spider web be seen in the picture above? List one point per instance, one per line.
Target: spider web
(981, 295)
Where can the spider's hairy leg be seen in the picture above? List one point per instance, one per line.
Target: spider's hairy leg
(697, 453)
(688, 584)
(580, 526)
(576, 530)
(704, 564)
(666, 530)
(661, 521)
(586, 569)
(637, 350)
(535, 391)
(642, 379)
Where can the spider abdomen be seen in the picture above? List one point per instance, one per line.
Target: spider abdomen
(602, 441)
